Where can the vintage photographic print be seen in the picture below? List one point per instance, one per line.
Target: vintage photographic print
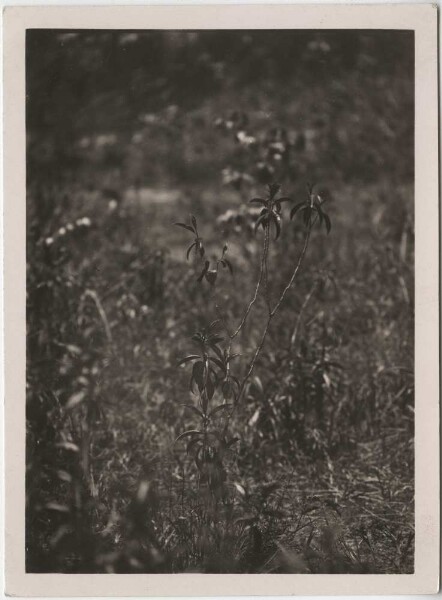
(220, 301)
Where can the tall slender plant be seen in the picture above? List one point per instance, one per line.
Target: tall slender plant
(218, 390)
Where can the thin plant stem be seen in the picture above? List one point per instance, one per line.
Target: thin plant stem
(258, 285)
(262, 275)
(299, 317)
(294, 274)
(266, 279)
(94, 297)
(272, 313)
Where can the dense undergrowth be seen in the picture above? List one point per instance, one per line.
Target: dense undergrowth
(317, 475)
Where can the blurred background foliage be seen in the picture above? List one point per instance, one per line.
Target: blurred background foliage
(129, 131)
(350, 92)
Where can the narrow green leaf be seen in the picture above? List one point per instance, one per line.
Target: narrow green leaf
(277, 222)
(192, 443)
(219, 408)
(327, 222)
(187, 359)
(64, 476)
(57, 507)
(190, 432)
(198, 375)
(307, 215)
(232, 441)
(194, 409)
(215, 325)
(75, 400)
(218, 363)
(233, 356)
(189, 249)
(235, 381)
(210, 388)
(204, 271)
(240, 488)
(246, 519)
(296, 208)
(258, 383)
(68, 446)
(261, 221)
(218, 351)
(184, 226)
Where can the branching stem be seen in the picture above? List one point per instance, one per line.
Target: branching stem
(272, 313)
(294, 274)
(258, 284)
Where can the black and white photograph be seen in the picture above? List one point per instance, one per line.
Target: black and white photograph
(220, 301)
